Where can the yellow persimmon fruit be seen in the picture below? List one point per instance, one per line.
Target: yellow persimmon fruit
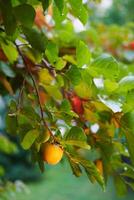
(52, 153)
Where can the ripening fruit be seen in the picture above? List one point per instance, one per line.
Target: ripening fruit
(99, 166)
(52, 153)
(77, 105)
(131, 45)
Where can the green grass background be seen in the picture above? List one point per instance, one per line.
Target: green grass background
(59, 184)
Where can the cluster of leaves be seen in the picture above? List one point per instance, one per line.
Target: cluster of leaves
(63, 91)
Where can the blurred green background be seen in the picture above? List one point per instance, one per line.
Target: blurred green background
(59, 184)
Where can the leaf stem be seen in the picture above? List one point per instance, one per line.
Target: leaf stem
(21, 93)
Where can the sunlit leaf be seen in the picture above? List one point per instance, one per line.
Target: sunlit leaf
(79, 10)
(29, 138)
(10, 51)
(104, 65)
(83, 54)
(126, 84)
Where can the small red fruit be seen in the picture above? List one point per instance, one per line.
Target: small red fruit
(131, 45)
(77, 105)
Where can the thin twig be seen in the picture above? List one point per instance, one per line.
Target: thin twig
(21, 93)
(37, 92)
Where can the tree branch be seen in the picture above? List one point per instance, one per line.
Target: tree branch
(37, 92)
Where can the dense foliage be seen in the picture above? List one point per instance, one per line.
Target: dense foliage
(66, 92)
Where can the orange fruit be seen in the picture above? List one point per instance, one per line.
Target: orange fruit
(52, 153)
(99, 166)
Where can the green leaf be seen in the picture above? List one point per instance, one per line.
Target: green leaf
(70, 59)
(75, 142)
(29, 138)
(2, 171)
(13, 106)
(6, 145)
(65, 105)
(59, 4)
(83, 90)
(45, 4)
(8, 17)
(76, 133)
(129, 172)
(6, 70)
(66, 108)
(76, 137)
(83, 54)
(75, 168)
(74, 75)
(10, 51)
(126, 84)
(110, 86)
(25, 14)
(43, 137)
(86, 77)
(53, 91)
(37, 39)
(120, 184)
(79, 10)
(60, 64)
(57, 16)
(30, 113)
(22, 119)
(130, 184)
(40, 162)
(91, 170)
(130, 144)
(52, 52)
(44, 77)
(104, 65)
(128, 105)
(17, 2)
(127, 121)
(11, 124)
(60, 80)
